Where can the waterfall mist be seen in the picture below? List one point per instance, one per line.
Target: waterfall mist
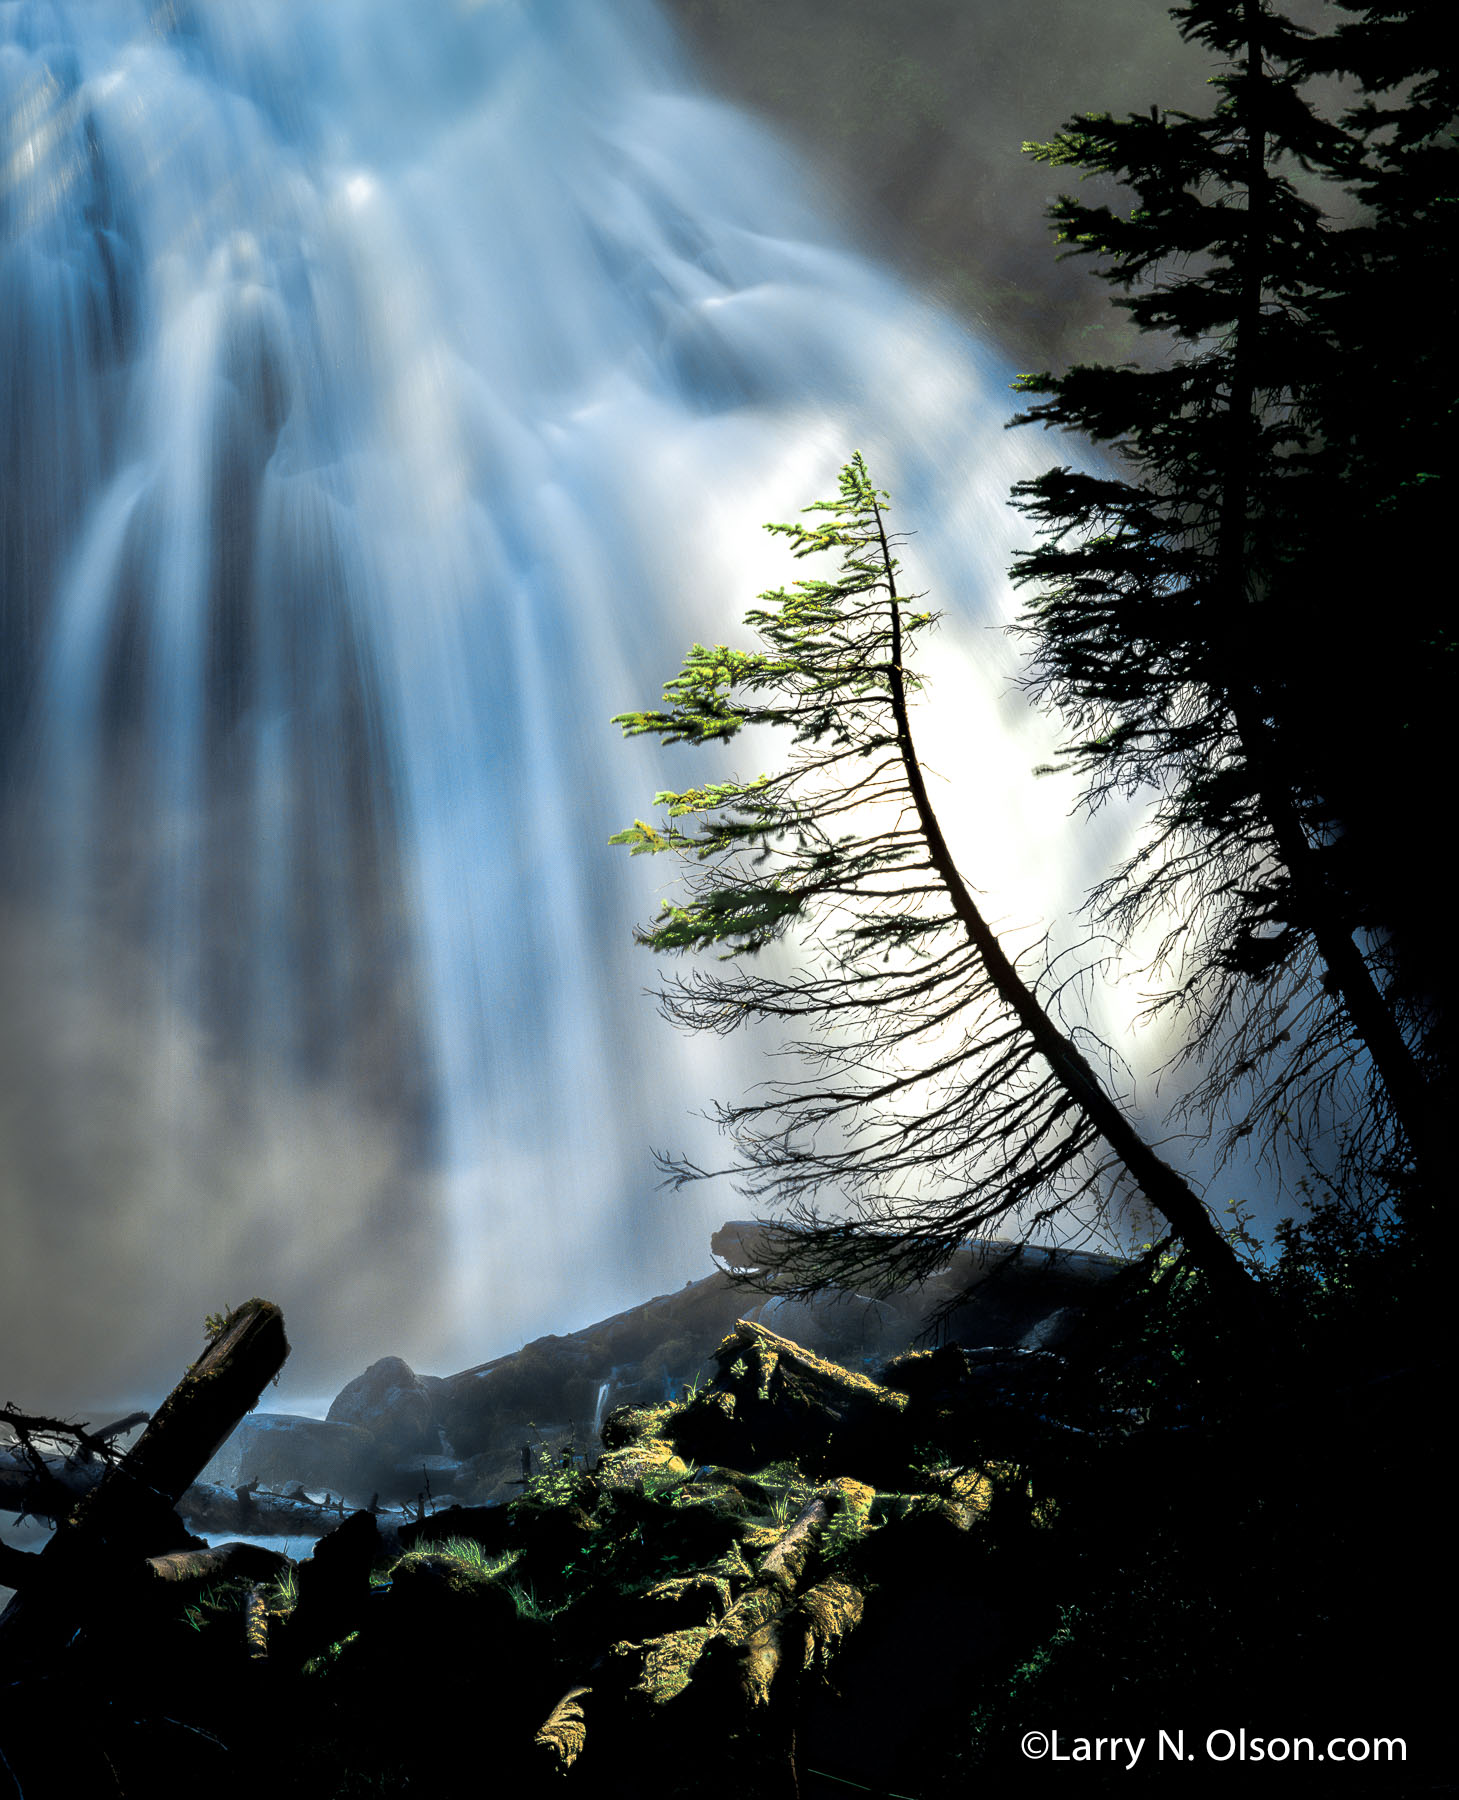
(390, 395)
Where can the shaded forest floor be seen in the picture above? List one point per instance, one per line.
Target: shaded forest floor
(803, 1582)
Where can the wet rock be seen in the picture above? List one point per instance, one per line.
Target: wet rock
(846, 1326)
(558, 1391)
(394, 1405)
(277, 1449)
(643, 1356)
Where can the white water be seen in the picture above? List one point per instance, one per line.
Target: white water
(391, 394)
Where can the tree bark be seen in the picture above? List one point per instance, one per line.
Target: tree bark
(1171, 1196)
(128, 1516)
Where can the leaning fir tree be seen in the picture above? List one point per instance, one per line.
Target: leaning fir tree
(1169, 592)
(940, 1099)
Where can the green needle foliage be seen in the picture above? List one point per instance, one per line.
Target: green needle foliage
(939, 1097)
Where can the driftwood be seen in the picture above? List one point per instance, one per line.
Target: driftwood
(249, 1511)
(254, 1512)
(42, 1485)
(128, 1515)
(220, 1562)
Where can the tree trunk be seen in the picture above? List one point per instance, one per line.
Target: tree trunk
(128, 1516)
(1171, 1196)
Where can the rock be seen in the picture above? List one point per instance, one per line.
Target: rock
(334, 1586)
(426, 1474)
(1015, 1292)
(846, 1326)
(746, 1244)
(467, 1430)
(394, 1405)
(773, 1399)
(642, 1356)
(276, 1449)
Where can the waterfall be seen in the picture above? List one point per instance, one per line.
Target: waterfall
(390, 395)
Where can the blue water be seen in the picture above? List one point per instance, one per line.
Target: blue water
(391, 395)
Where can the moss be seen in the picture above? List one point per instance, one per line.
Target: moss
(565, 1732)
(628, 1424)
(851, 1504)
(757, 1539)
(705, 1594)
(458, 1564)
(766, 1348)
(754, 1610)
(643, 1464)
(761, 1662)
(832, 1610)
(669, 1662)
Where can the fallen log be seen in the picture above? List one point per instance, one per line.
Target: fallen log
(128, 1516)
(219, 1562)
(204, 1507)
(258, 1513)
(44, 1486)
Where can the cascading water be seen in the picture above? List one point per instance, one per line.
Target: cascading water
(390, 395)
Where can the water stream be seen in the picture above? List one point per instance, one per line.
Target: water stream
(390, 395)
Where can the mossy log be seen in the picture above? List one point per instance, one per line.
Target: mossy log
(98, 1554)
(771, 1399)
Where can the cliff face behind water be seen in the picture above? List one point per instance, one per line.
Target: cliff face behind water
(397, 1434)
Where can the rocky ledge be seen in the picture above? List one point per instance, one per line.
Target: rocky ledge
(395, 1437)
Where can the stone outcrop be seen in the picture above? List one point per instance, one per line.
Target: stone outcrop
(274, 1449)
(397, 1434)
(393, 1404)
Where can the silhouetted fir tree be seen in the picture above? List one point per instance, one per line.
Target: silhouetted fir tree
(1172, 594)
(942, 1098)
(1373, 691)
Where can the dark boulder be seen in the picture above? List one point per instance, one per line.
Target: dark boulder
(276, 1449)
(394, 1405)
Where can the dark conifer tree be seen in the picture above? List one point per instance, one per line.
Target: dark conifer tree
(1371, 691)
(1172, 593)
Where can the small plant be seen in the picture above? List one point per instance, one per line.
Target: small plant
(795, 1490)
(214, 1603)
(554, 1487)
(326, 1659)
(660, 1484)
(524, 1597)
(283, 1596)
(474, 1557)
